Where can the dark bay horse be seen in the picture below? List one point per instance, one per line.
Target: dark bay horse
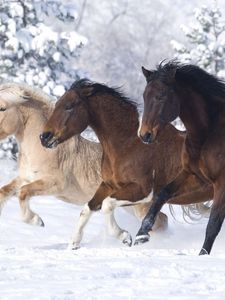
(131, 170)
(198, 98)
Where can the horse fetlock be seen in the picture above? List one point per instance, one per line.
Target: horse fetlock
(74, 246)
(34, 220)
(141, 239)
(75, 241)
(126, 238)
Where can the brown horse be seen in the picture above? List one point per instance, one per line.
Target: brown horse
(198, 98)
(131, 170)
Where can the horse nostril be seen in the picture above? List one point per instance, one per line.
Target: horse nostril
(46, 136)
(146, 138)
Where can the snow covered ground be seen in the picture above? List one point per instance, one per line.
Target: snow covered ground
(36, 264)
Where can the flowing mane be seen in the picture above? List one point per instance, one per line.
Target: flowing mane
(121, 110)
(18, 93)
(201, 81)
(101, 89)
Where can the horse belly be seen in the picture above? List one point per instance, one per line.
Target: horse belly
(78, 198)
(132, 192)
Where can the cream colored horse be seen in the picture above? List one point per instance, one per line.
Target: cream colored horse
(71, 178)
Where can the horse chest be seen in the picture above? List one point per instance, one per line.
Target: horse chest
(193, 162)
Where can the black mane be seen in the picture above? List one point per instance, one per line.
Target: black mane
(101, 89)
(204, 83)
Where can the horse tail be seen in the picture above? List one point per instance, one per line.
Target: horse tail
(193, 212)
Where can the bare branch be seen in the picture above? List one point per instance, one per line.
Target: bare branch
(80, 19)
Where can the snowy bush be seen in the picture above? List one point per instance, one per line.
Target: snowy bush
(206, 41)
(37, 45)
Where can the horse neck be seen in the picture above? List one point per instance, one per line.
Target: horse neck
(113, 122)
(194, 113)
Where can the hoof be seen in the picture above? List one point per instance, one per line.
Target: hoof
(73, 245)
(203, 252)
(40, 222)
(128, 240)
(141, 239)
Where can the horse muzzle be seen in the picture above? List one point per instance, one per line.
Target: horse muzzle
(147, 138)
(149, 134)
(48, 140)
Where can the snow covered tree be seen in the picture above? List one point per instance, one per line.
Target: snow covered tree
(206, 43)
(37, 45)
(206, 38)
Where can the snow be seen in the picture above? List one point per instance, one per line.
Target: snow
(35, 263)
(43, 39)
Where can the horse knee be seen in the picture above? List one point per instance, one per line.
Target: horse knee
(24, 193)
(107, 206)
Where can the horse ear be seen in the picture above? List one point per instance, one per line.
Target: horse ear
(172, 74)
(147, 73)
(87, 91)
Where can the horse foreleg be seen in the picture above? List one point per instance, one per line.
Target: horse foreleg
(35, 188)
(108, 207)
(8, 190)
(158, 201)
(215, 221)
(94, 204)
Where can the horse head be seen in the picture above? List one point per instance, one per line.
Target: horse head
(161, 104)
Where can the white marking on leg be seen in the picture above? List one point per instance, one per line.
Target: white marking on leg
(84, 218)
(108, 206)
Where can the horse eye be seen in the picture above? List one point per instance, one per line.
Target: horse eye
(158, 98)
(2, 109)
(69, 107)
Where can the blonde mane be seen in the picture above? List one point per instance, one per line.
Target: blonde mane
(18, 93)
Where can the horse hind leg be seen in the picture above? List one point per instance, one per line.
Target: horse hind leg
(215, 221)
(108, 207)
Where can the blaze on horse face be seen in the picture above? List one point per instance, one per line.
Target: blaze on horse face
(70, 117)
(161, 105)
